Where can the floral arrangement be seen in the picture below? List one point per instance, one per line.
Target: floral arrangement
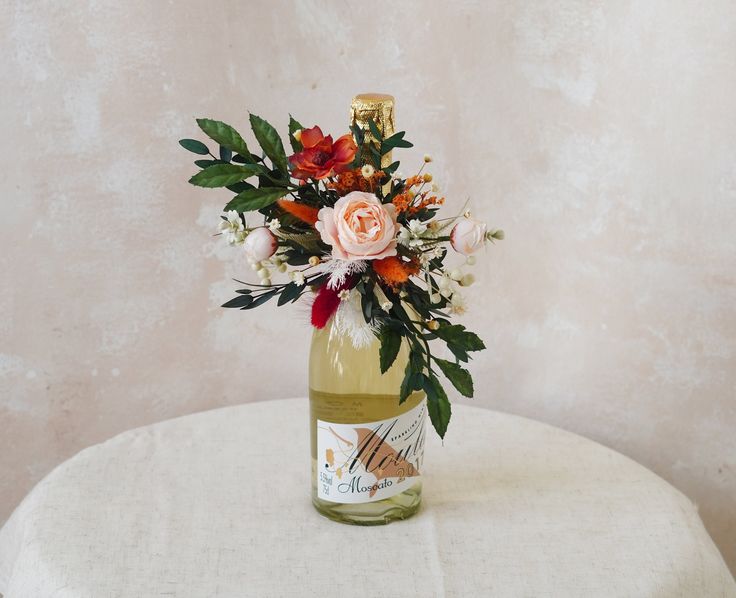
(364, 241)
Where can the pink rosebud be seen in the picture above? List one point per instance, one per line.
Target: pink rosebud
(468, 236)
(260, 244)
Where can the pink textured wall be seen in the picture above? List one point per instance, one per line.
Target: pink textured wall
(600, 135)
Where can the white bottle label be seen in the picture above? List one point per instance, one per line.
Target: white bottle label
(359, 463)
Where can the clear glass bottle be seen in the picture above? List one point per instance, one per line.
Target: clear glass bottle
(367, 448)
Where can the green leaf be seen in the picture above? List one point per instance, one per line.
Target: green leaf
(390, 344)
(406, 384)
(194, 146)
(377, 135)
(206, 163)
(261, 299)
(460, 377)
(269, 141)
(294, 126)
(289, 292)
(222, 175)
(239, 187)
(459, 340)
(239, 301)
(225, 135)
(366, 303)
(225, 154)
(255, 199)
(438, 405)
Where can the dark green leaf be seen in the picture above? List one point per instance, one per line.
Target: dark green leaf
(460, 377)
(225, 154)
(289, 292)
(390, 344)
(269, 141)
(194, 146)
(239, 301)
(377, 135)
(459, 341)
(438, 405)
(261, 299)
(366, 303)
(225, 135)
(206, 163)
(221, 175)
(294, 126)
(255, 199)
(239, 187)
(406, 384)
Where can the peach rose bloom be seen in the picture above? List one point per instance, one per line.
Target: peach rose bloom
(359, 227)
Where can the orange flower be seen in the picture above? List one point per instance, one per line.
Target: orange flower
(394, 271)
(353, 180)
(301, 211)
(320, 157)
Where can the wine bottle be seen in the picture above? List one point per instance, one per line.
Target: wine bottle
(367, 447)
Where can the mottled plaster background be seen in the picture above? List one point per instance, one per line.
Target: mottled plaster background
(600, 135)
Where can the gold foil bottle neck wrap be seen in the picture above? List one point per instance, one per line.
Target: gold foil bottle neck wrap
(378, 107)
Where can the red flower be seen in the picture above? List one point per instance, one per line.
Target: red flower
(321, 157)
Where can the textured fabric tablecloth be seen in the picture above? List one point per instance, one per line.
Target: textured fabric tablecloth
(217, 504)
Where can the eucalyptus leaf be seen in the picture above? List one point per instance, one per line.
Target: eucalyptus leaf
(289, 292)
(269, 141)
(194, 146)
(225, 154)
(375, 131)
(240, 301)
(206, 163)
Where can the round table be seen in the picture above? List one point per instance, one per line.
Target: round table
(217, 504)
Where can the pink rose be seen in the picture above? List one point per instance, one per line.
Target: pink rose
(260, 244)
(359, 227)
(468, 236)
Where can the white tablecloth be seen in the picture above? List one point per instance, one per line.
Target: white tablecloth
(217, 505)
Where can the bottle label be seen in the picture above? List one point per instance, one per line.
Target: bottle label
(365, 462)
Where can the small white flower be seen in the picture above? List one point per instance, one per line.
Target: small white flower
(404, 236)
(456, 274)
(367, 171)
(457, 304)
(233, 229)
(297, 278)
(417, 228)
(274, 224)
(344, 295)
